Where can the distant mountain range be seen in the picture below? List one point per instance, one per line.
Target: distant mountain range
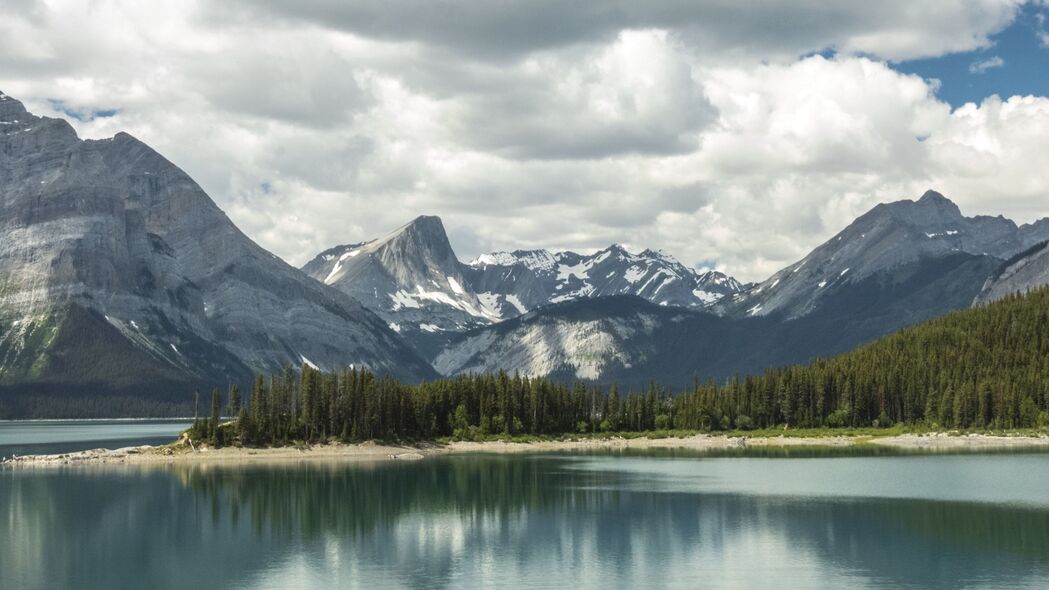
(413, 280)
(597, 316)
(120, 276)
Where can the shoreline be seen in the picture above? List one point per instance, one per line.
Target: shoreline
(372, 451)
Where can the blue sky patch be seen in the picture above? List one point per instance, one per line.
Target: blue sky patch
(1017, 63)
(83, 115)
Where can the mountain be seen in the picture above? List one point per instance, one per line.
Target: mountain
(900, 264)
(1025, 272)
(616, 338)
(515, 282)
(118, 274)
(413, 280)
(632, 341)
(410, 277)
(595, 317)
(884, 242)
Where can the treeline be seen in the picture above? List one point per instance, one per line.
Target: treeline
(979, 368)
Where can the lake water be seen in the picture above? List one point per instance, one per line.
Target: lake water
(45, 437)
(798, 519)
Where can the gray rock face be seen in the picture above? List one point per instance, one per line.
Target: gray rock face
(1025, 272)
(577, 344)
(900, 264)
(112, 229)
(410, 277)
(413, 280)
(889, 236)
(515, 282)
(634, 342)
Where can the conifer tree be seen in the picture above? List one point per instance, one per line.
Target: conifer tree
(216, 405)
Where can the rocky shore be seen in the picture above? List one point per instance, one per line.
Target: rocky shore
(184, 453)
(177, 453)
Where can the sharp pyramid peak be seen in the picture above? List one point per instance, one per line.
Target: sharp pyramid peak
(932, 197)
(423, 234)
(424, 223)
(426, 219)
(934, 200)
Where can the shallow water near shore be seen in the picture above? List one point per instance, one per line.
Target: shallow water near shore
(856, 518)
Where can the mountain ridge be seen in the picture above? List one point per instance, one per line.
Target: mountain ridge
(111, 234)
(412, 278)
(887, 236)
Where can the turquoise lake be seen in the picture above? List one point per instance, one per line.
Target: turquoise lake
(798, 519)
(43, 437)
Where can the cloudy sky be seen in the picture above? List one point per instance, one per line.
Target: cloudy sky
(732, 134)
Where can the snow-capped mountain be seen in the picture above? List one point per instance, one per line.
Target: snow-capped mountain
(900, 264)
(515, 282)
(121, 274)
(413, 280)
(1024, 272)
(885, 241)
(410, 277)
(634, 342)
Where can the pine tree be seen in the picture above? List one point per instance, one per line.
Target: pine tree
(216, 405)
(234, 399)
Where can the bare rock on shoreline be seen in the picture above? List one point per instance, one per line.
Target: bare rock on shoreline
(972, 441)
(372, 450)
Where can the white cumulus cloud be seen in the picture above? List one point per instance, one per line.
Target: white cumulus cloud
(710, 130)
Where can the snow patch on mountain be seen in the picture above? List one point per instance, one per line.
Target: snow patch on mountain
(540, 277)
(514, 301)
(334, 274)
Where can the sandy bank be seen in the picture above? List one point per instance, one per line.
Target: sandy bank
(170, 454)
(699, 442)
(946, 442)
(372, 451)
(703, 442)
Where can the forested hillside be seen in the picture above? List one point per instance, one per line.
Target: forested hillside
(984, 367)
(981, 367)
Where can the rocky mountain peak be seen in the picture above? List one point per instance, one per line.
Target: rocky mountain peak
(143, 284)
(12, 110)
(935, 204)
(411, 277)
(930, 209)
(422, 234)
(426, 223)
(934, 198)
(887, 238)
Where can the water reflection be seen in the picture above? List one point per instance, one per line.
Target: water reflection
(497, 521)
